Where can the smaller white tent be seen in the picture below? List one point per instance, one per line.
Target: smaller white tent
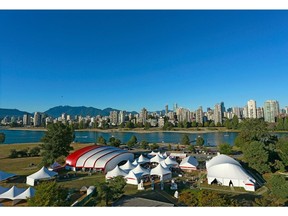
(152, 154)
(142, 160)
(164, 165)
(115, 172)
(133, 178)
(11, 193)
(29, 192)
(159, 170)
(135, 163)
(188, 164)
(171, 162)
(54, 166)
(156, 159)
(43, 173)
(162, 155)
(90, 190)
(140, 170)
(5, 175)
(3, 189)
(127, 166)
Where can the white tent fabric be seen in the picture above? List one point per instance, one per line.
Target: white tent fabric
(127, 166)
(152, 154)
(140, 170)
(43, 173)
(3, 189)
(142, 159)
(135, 163)
(115, 172)
(54, 166)
(5, 175)
(133, 178)
(156, 159)
(12, 193)
(161, 155)
(189, 163)
(226, 171)
(29, 192)
(90, 190)
(171, 162)
(164, 165)
(159, 170)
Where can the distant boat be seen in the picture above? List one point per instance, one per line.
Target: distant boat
(82, 137)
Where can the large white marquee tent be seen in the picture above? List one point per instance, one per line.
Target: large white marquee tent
(41, 174)
(226, 171)
(156, 159)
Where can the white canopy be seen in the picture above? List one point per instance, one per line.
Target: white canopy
(43, 173)
(142, 159)
(133, 178)
(29, 192)
(3, 189)
(5, 175)
(127, 166)
(164, 165)
(162, 155)
(171, 162)
(159, 170)
(135, 163)
(220, 159)
(188, 163)
(140, 170)
(54, 166)
(115, 172)
(12, 193)
(156, 159)
(152, 154)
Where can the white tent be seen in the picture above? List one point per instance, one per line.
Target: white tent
(171, 162)
(115, 172)
(29, 192)
(11, 193)
(156, 159)
(162, 155)
(159, 170)
(43, 173)
(226, 171)
(140, 170)
(3, 189)
(5, 175)
(135, 163)
(142, 160)
(127, 166)
(54, 166)
(152, 154)
(188, 164)
(90, 190)
(133, 178)
(164, 165)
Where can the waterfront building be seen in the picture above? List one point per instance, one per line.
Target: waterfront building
(199, 115)
(252, 112)
(260, 112)
(271, 110)
(143, 116)
(37, 119)
(26, 119)
(121, 117)
(245, 112)
(217, 114)
(166, 110)
(161, 122)
(237, 111)
(113, 117)
(183, 114)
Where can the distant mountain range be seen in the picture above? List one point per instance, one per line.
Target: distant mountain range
(58, 110)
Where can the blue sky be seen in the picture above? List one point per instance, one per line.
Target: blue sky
(134, 59)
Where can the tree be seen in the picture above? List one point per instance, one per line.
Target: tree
(111, 190)
(130, 125)
(194, 124)
(169, 147)
(147, 125)
(56, 142)
(225, 148)
(49, 194)
(34, 152)
(257, 157)
(133, 140)
(2, 137)
(101, 140)
(278, 186)
(114, 142)
(235, 122)
(144, 144)
(185, 140)
(212, 124)
(154, 146)
(199, 141)
(206, 124)
(282, 149)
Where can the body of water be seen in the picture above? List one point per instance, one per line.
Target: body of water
(213, 138)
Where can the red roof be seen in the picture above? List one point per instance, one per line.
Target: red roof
(72, 158)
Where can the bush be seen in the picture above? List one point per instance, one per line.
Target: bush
(34, 152)
(13, 153)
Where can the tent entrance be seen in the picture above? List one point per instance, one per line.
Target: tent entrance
(230, 184)
(214, 181)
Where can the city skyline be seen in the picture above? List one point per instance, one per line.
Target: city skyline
(134, 59)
